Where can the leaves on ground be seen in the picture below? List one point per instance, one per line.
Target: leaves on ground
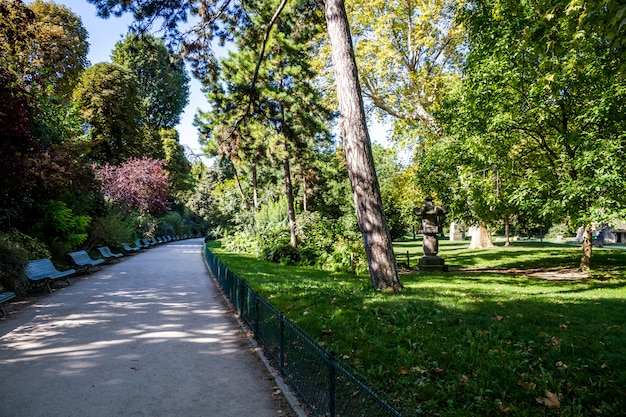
(551, 400)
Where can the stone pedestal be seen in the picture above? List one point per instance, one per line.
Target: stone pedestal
(432, 263)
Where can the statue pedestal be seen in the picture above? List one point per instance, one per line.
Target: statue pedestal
(432, 263)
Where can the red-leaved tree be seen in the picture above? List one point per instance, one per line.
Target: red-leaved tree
(137, 184)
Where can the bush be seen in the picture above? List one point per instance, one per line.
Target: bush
(557, 230)
(111, 231)
(170, 224)
(60, 228)
(241, 241)
(15, 251)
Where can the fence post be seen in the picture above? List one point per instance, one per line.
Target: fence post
(331, 384)
(281, 355)
(256, 315)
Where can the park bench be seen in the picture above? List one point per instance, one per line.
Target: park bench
(108, 255)
(146, 243)
(5, 296)
(129, 248)
(43, 271)
(84, 262)
(142, 243)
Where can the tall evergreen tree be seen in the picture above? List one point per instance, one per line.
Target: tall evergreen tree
(366, 192)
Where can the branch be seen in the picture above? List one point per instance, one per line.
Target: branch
(266, 36)
(420, 114)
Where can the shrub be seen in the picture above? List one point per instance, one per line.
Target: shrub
(558, 230)
(280, 252)
(60, 228)
(170, 224)
(15, 251)
(110, 230)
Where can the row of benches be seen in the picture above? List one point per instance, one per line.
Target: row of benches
(42, 272)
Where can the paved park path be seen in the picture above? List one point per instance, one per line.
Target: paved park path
(148, 336)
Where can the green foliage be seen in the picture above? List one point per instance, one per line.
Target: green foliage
(408, 55)
(61, 228)
(176, 164)
(110, 230)
(108, 99)
(12, 264)
(558, 230)
(16, 249)
(163, 82)
(171, 224)
(62, 47)
(468, 343)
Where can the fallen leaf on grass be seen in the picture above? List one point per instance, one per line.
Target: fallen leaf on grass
(551, 400)
(504, 409)
(526, 385)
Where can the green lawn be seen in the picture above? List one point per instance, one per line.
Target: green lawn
(474, 343)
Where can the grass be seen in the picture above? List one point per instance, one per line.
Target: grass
(485, 343)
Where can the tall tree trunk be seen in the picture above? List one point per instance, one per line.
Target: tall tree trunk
(357, 148)
(289, 193)
(239, 187)
(587, 248)
(305, 200)
(255, 189)
(480, 238)
(507, 232)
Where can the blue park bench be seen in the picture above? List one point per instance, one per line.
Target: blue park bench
(129, 248)
(83, 261)
(108, 255)
(5, 296)
(43, 271)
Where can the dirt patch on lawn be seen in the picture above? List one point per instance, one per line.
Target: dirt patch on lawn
(552, 274)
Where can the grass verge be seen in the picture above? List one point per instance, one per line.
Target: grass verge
(487, 342)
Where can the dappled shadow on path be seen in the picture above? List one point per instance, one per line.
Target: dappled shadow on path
(146, 336)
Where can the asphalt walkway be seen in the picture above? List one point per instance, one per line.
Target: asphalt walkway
(148, 336)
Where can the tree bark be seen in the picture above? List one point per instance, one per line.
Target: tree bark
(290, 206)
(255, 190)
(507, 232)
(587, 248)
(481, 238)
(357, 148)
(239, 187)
(305, 200)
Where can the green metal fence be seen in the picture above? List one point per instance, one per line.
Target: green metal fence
(326, 387)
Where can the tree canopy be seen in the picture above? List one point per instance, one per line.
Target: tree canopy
(107, 96)
(163, 83)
